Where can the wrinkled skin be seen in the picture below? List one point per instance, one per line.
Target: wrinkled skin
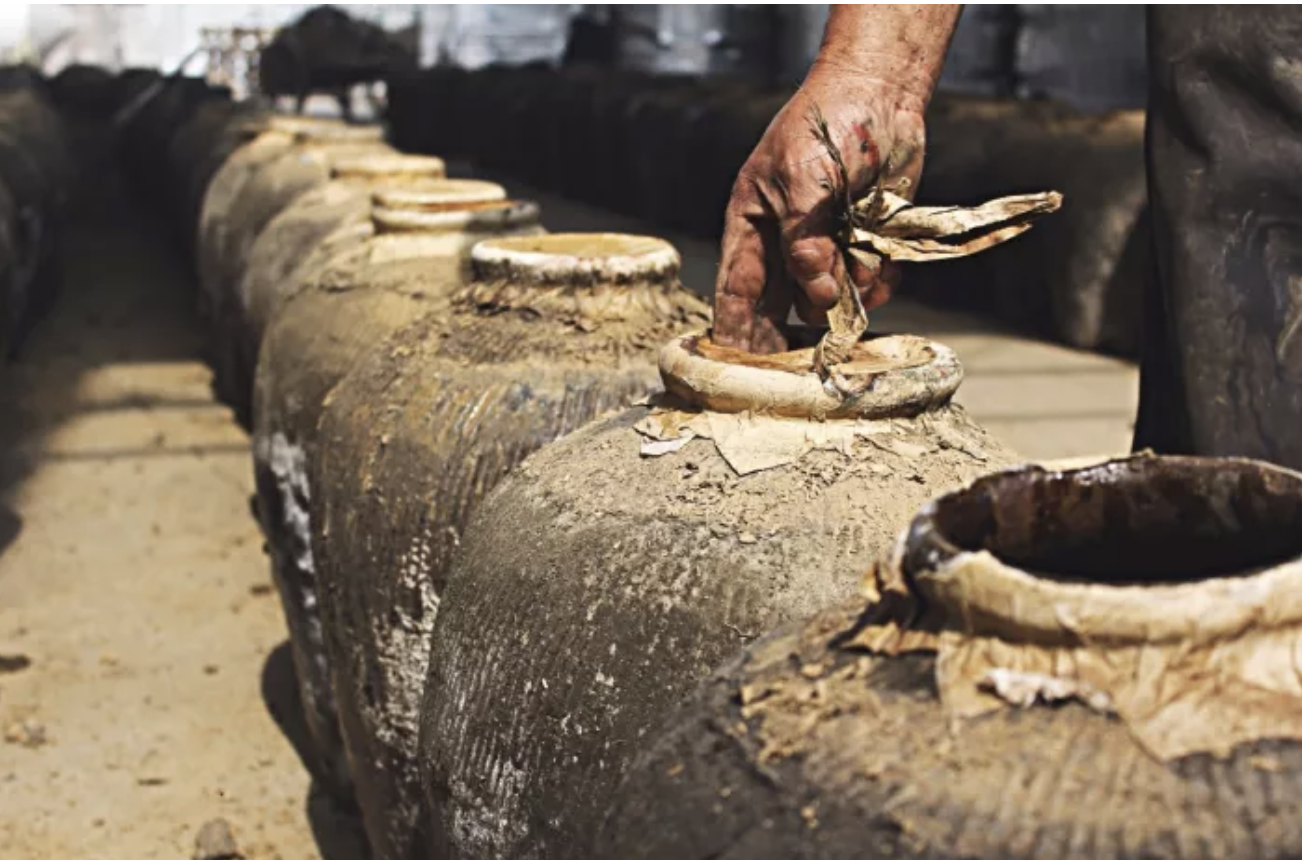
(871, 83)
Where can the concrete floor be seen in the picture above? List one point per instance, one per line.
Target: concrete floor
(144, 685)
(144, 682)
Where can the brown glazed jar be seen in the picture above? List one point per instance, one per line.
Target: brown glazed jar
(1095, 662)
(377, 282)
(614, 568)
(553, 331)
(291, 236)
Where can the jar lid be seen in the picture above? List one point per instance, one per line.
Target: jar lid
(886, 376)
(381, 165)
(607, 258)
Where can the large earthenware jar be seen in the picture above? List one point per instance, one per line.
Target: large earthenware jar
(554, 331)
(408, 265)
(614, 568)
(1089, 663)
(294, 233)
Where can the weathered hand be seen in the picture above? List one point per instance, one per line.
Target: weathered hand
(778, 248)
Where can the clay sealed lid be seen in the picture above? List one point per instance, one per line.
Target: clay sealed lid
(386, 165)
(607, 258)
(885, 376)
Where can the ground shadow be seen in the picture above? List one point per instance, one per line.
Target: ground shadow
(120, 293)
(338, 831)
(11, 525)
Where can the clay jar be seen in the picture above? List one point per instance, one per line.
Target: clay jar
(216, 130)
(1093, 663)
(408, 264)
(265, 137)
(286, 156)
(614, 568)
(36, 168)
(295, 232)
(553, 331)
(16, 275)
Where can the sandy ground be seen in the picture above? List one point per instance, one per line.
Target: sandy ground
(145, 689)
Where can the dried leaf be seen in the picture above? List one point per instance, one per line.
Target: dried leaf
(919, 234)
(903, 220)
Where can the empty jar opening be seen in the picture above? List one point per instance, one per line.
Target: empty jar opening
(577, 258)
(1135, 521)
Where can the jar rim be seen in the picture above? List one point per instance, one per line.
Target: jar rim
(890, 376)
(570, 258)
(379, 165)
(955, 556)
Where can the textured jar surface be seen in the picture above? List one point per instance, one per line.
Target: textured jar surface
(812, 744)
(371, 286)
(410, 443)
(214, 238)
(624, 580)
(271, 188)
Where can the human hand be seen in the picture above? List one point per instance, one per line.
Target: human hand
(779, 249)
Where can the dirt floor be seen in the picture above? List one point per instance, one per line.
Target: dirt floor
(145, 688)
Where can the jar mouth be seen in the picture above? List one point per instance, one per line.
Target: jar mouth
(1148, 548)
(384, 166)
(577, 258)
(440, 195)
(890, 375)
(1126, 522)
(339, 132)
(299, 124)
(468, 217)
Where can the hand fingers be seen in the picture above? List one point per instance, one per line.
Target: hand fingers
(876, 279)
(814, 263)
(748, 311)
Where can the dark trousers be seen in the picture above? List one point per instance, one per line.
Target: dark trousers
(1222, 367)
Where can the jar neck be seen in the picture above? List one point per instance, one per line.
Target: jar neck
(584, 279)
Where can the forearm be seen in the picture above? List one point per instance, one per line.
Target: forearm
(898, 46)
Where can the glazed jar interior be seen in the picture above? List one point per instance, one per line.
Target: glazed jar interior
(1135, 521)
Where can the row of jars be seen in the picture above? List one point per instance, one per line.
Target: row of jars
(520, 509)
(37, 181)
